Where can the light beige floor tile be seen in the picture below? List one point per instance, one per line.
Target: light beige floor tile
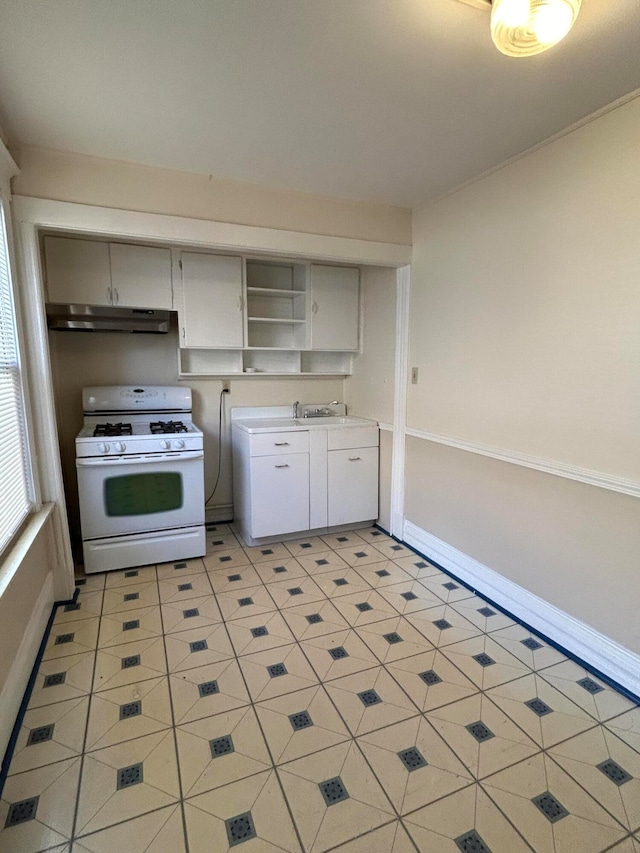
(394, 639)
(431, 680)
(468, 656)
(505, 743)
(382, 574)
(130, 577)
(441, 772)
(587, 826)
(344, 539)
(321, 561)
(261, 797)
(417, 566)
(181, 569)
(64, 741)
(437, 826)
(251, 601)
(336, 655)
(133, 597)
(484, 615)
(117, 666)
(92, 582)
(323, 826)
(229, 559)
(72, 638)
(262, 685)
(102, 804)
(361, 608)
(231, 580)
(362, 555)
(430, 623)
(314, 620)
(128, 712)
(273, 571)
(392, 550)
(71, 678)
(341, 582)
(294, 593)
(198, 647)
(140, 624)
(160, 831)
(259, 633)
(629, 845)
(213, 689)
(86, 605)
(184, 589)
(267, 553)
(565, 719)
(409, 596)
(446, 588)
(189, 614)
(213, 527)
(538, 658)
(581, 757)
(221, 749)
(322, 729)
(55, 786)
(391, 838)
(373, 535)
(360, 714)
(603, 704)
(627, 727)
(303, 547)
(217, 541)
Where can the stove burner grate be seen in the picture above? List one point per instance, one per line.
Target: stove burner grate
(112, 430)
(164, 427)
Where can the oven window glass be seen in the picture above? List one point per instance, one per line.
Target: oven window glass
(143, 494)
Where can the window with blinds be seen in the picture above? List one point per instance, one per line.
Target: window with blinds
(15, 500)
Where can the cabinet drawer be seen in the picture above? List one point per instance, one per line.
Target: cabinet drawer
(342, 439)
(279, 494)
(269, 443)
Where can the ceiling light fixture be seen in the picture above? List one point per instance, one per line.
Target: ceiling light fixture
(527, 27)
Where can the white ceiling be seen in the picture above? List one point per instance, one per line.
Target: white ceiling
(380, 100)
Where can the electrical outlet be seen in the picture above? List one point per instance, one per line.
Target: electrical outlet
(226, 387)
(414, 375)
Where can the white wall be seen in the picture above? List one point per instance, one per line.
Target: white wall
(525, 312)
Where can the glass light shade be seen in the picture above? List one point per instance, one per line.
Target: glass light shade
(545, 24)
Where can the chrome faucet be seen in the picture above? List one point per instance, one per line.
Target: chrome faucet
(295, 408)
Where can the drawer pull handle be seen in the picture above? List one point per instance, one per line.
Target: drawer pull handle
(282, 444)
(282, 466)
(355, 458)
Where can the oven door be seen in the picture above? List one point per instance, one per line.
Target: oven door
(133, 494)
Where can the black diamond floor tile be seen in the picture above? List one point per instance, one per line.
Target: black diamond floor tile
(430, 677)
(198, 646)
(208, 688)
(590, 686)
(483, 659)
(21, 812)
(277, 669)
(539, 707)
(338, 653)
(260, 631)
(240, 829)
(190, 613)
(551, 808)
(130, 660)
(40, 735)
(333, 791)
(313, 618)
(221, 746)
(392, 638)
(613, 771)
(300, 720)
(532, 644)
(412, 759)
(472, 842)
(369, 697)
(54, 679)
(128, 776)
(131, 709)
(479, 731)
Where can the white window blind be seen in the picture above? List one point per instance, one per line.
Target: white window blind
(15, 500)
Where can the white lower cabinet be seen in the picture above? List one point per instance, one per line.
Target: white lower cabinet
(353, 485)
(279, 494)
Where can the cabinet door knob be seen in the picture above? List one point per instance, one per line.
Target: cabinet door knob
(314, 308)
(109, 296)
(282, 444)
(282, 466)
(355, 458)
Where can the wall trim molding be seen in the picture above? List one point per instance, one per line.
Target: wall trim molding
(385, 426)
(398, 453)
(20, 672)
(548, 466)
(599, 651)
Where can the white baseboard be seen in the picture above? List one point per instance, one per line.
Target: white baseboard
(20, 672)
(218, 513)
(596, 649)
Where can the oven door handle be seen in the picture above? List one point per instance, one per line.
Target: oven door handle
(93, 462)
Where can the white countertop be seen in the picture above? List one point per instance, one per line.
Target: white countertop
(257, 425)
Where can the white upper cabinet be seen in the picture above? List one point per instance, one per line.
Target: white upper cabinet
(211, 313)
(335, 295)
(90, 272)
(77, 271)
(141, 276)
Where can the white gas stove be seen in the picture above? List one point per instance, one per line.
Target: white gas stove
(140, 468)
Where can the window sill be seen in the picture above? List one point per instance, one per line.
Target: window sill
(15, 554)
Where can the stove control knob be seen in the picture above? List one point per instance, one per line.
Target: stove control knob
(120, 447)
(103, 447)
(179, 443)
(165, 445)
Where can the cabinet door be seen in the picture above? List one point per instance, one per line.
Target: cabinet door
(334, 309)
(279, 494)
(211, 315)
(141, 276)
(353, 485)
(77, 271)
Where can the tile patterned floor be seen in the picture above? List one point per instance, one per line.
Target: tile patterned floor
(331, 693)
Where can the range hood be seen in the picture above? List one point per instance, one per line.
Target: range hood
(107, 318)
